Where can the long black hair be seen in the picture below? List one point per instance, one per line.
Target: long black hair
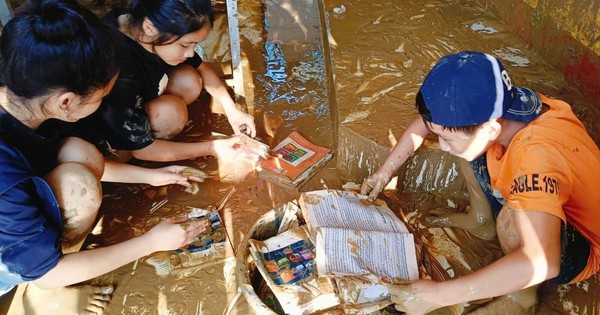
(172, 18)
(56, 45)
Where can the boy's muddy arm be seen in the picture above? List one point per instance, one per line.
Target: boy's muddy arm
(409, 142)
(215, 87)
(533, 237)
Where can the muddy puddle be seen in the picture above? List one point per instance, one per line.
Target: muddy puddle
(345, 74)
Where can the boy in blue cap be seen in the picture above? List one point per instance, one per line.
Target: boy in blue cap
(534, 161)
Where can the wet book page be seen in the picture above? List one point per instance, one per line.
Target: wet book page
(355, 238)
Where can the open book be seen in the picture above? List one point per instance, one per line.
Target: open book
(293, 162)
(354, 238)
(286, 262)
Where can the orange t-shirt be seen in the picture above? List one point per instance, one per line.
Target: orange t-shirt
(553, 165)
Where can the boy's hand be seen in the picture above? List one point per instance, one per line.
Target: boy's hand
(175, 232)
(175, 174)
(373, 185)
(242, 123)
(411, 300)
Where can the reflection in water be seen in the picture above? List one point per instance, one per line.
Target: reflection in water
(290, 75)
(275, 63)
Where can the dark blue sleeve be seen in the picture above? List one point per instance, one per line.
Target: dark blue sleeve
(30, 240)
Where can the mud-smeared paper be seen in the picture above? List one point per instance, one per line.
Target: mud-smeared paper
(286, 262)
(354, 238)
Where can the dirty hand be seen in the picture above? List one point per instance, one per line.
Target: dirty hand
(373, 185)
(242, 123)
(173, 174)
(227, 149)
(412, 300)
(176, 232)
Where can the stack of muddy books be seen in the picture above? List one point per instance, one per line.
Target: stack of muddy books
(363, 246)
(286, 262)
(345, 256)
(293, 161)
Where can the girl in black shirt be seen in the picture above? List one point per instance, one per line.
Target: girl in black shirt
(160, 74)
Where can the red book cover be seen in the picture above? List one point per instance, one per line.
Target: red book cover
(295, 155)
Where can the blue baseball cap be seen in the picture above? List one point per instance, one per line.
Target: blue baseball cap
(470, 88)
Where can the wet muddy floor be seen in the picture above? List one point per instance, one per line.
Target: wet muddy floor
(344, 74)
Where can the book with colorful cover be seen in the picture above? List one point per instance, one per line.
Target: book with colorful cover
(209, 248)
(286, 262)
(293, 161)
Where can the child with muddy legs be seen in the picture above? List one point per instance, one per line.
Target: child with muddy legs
(160, 75)
(50, 188)
(478, 221)
(542, 168)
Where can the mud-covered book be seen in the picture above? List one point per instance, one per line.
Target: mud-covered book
(293, 161)
(209, 248)
(287, 263)
(356, 238)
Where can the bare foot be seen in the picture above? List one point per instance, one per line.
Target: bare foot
(518, 303)
(479, 219)
(456, 309)
(76, 300)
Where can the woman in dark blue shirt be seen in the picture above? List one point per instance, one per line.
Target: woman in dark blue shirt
(50, 188)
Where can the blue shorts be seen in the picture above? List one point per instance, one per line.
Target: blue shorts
(575, 249)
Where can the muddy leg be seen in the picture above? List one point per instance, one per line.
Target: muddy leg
(76, 185)
(517, 303)
(185, 82)
(479, 220)
(79, 195)
(168, 115)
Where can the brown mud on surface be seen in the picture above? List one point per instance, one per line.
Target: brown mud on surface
(355, 94)
(381, 52)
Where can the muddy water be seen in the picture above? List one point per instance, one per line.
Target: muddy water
(383, 49)
(380, 52)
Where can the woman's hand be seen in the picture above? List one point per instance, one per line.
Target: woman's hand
(175, 232)
(241, 122)
(176, 174)
(226, 149)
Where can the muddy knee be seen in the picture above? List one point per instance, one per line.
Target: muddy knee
(185, 82)
(79, 195)
(168, 115)
(80, 151)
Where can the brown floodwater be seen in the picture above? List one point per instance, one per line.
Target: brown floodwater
(329, 70)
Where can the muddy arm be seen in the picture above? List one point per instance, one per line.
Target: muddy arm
(531, 240)
(409, 142)
(215, 87)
